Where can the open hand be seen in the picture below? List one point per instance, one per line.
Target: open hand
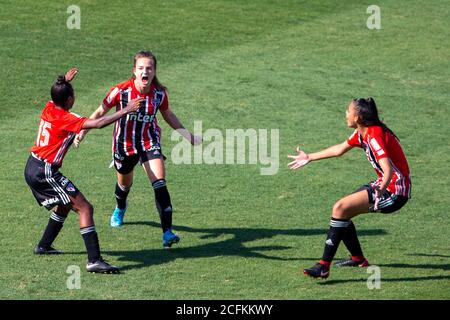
(378, 195)
(300, 160)
(71, 74)
(79, 137)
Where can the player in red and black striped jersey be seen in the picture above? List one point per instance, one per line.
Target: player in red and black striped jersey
(387, 194)
(57, 129)
(136, 138)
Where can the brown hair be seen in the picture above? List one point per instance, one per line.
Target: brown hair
(150, 55)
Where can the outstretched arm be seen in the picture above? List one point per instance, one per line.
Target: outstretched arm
(173, 121)
(133, 106)
(98, 113)
(302, 158)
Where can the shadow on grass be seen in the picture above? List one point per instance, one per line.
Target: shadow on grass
(429, 255)
(339, 281)
(444, 266)
(234, 246)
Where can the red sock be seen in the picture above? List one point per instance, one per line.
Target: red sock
(357, 258)
(325, 263)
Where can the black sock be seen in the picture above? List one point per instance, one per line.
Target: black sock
(54, 226)
(121, 195)
(351, 241)
(163, 204)
(338, 227)
(91, 242)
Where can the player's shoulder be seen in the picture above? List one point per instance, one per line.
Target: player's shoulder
(354, 135)
(124, 84)
(51, 109)
(375, 131)
(50, 104)
(158, 89)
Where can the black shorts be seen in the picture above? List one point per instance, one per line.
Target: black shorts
(388, 203)
(125, 164)
(49, 186)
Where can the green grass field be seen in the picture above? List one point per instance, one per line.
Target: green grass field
(286, 65)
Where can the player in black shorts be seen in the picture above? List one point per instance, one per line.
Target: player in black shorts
(136, 138)
(49, 186)
(389, 193)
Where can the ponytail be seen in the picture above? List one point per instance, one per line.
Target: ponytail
(368, 114)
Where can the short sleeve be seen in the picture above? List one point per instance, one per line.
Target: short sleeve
(165, 102)
(112, 98)
(378, 146)
(353, 140)
(72, 122)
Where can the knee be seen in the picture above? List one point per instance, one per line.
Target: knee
(339, 210)
(87, 209)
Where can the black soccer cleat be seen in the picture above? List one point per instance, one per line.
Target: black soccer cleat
(101, 266)
(352, 263)
(317, 271)
(44, 250)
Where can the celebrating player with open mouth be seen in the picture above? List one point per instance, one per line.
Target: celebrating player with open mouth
(387, 194)
(51, 189)
(136, 138)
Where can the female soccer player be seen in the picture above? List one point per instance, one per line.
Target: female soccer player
(137, 138)
(387, 194)
(51, 189)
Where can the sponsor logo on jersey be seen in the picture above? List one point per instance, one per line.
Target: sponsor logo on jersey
(146, 118)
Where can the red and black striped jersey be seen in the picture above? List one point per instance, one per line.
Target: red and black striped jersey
(57, 129)
(379, 144)
(138, 131)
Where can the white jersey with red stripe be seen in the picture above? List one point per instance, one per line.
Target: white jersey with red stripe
(379, 144)
(57, 129)
(136, 132)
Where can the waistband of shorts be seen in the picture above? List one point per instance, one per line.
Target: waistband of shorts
(33, 155)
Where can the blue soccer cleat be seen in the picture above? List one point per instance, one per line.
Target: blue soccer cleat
(169, 238)
(117, 217)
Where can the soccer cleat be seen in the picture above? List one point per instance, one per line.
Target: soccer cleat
(352, 263)
(117, 217)
(101, 266)
(43, 250)
(169, 238)
(317, 271)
